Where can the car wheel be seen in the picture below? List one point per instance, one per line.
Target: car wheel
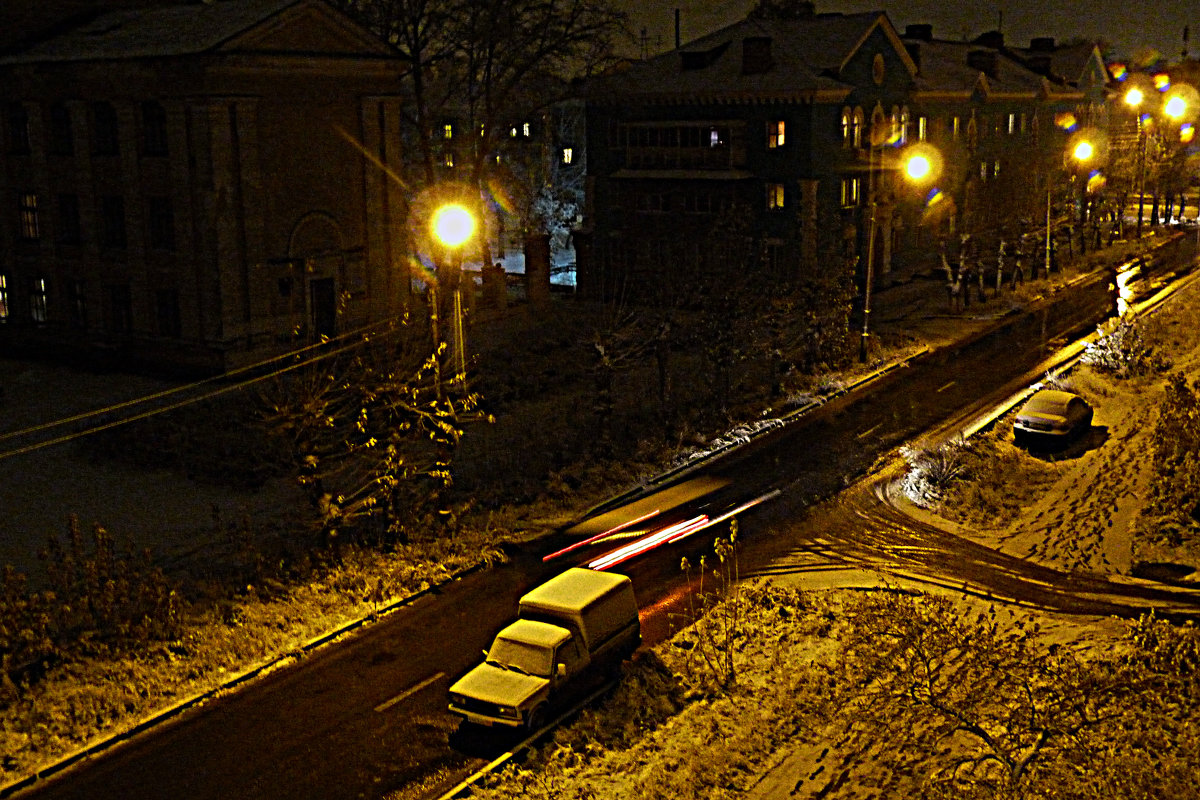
(536, 719)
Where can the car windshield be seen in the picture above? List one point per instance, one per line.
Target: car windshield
(520, 657)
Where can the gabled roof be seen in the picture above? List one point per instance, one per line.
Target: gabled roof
(208, 27)
(945, 67)
(806, 56)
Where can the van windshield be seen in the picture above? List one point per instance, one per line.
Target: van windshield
(521, 657)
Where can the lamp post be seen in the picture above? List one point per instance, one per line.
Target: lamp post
(452, 225)
(917, 166)
(1133, 99)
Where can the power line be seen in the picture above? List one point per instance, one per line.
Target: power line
(182, 403)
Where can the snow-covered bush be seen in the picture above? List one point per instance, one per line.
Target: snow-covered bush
(931, 470)
(1122, 349)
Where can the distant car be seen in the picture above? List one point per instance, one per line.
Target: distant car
(1051, 416)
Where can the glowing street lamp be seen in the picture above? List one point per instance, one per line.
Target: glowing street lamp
(918, 164)
(453, 226)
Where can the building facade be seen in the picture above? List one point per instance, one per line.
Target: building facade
(789, 132)
(200, 186)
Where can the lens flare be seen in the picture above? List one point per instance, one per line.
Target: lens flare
(1066, 120)
(1118, 71)
(1187, 132)
(1162, 81)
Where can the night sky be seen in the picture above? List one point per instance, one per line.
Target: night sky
(1130, 27)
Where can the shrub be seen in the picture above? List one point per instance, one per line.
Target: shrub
(931, 470)
(1122, 349)
(1175, 495)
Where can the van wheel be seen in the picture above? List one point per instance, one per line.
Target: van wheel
(537, 719)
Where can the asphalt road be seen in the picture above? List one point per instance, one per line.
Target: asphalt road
(367, 715)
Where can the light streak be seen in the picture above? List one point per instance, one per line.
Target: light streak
(610, 532)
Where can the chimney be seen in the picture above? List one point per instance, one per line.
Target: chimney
(756, 55)
(993, 39)
(922, 32)
(983, 60)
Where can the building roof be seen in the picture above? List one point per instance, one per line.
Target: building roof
(164, 31)
(806, 56)
(955, 68)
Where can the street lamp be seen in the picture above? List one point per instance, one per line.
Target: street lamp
(917, 164)
(453, 226)
(1133, 99)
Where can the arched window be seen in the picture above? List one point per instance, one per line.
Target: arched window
(857, 127)
(905, 121)
(847, 127)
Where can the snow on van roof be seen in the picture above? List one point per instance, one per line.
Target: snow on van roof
(573, 589)
(533, 632)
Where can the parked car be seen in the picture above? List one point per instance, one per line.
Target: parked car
(1052, 415)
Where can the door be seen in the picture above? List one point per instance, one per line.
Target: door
(323, 307)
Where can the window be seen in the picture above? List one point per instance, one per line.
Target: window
(1023, 123)
(846, 127)
(850, 192)
(448, 131)
(112, 221)
(154, 129)
(1012, 124)
(120, 308)
(77, 304)
(774, 196)
(62, 137)
(161, 221)
(3, 297)
(996, 169)
(983, 170)
(166, 305)
(525, 130)
(37, 300)
(856, 128)
(651, 203)
(69, 231)
(905, 121)
(922, 129)
(448, 159)
(18, 129)
(568, 155)
(775, 131)
(30, 231)
(104, 130)
(955, 127)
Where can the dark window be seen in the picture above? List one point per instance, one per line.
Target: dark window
(77, 304)
(154, 129)
(161, 219)
(104, 130)
(120, 308)
(69, 231)
(38, 298)
(18, 129)
(62, 138)
(166, 303)
(30, 228)
(112, 221)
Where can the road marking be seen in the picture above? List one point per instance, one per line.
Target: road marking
(947, 386)
(868, 431)
(408, 692)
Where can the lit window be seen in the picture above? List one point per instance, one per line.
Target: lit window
(448, 131)
(955, 127)
(568, 155)
(922, 128)
(1012, 124)
(905, 121)
(983, 170)
(29, 217)
(774, 196)
(513, 133)
(448, 159)
(857, 128)
(995, 169)
(3, 296)
(37, 300)
(714, 138)
(850, 190)
(525, 130)
(775, 130)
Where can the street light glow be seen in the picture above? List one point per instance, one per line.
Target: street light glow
(453, 225)
(1134, 97)
(1176, 107)
(918, 167)
(1083, 151)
